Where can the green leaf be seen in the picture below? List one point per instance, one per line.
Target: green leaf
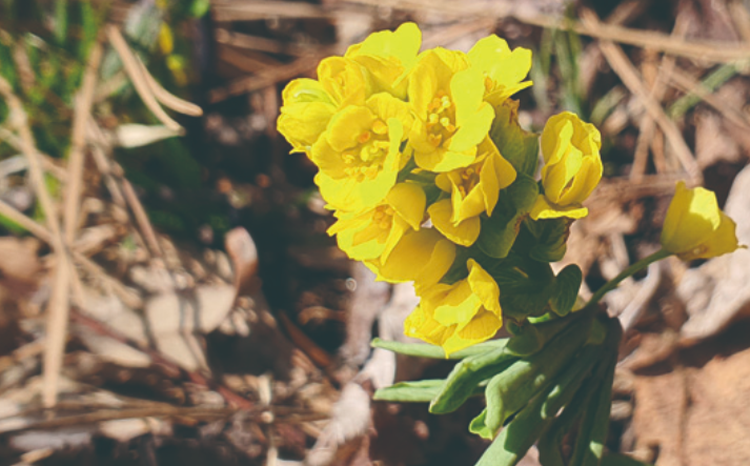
(518, 436)
(61, 21)
(12, 226)
(592, 433)
(90, 28)
(529, 338)
(199, 8)
(479, 427)
(552, 437)
(519, 147)
(551, 239)
(565, 289)
(466, 376)
(499, 231)
(525, 285)
(420, 391)
(560, 394)
(511, 389)
(424, 350)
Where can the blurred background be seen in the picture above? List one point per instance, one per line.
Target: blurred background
(168, 292)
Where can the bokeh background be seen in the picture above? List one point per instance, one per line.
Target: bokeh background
(168, 292)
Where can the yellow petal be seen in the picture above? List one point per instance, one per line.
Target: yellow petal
(346, 81)
(409, 201)
(464, 233)
(420, 324)
(692, 217)
(441, 160)
(457, 306)
(722, 241)
(544, 209)
(484, 286)
(573, 166)
(423, 256)
(482, 327)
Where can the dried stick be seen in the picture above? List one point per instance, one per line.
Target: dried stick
(659, 88)
(47, 164)
(127, 296)
(133, 70)
(141, 217)
(629, 76)
(59, 305)
(710, 51)
(728, 110)
(263, 79)
(83, 104)
(167, 98)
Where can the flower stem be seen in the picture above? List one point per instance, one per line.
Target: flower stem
(630, 271)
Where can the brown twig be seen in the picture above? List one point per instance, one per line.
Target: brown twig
(658, 89)
(59, 305)
(123, 191)
(167, 98)
(728, 110)
(710, 51)
(127, 296)
(83, 103)
(141, 218)
(629, 76)
(47, 162)
(264, 79)
(102, 329)
(133, 69)
(263, 44)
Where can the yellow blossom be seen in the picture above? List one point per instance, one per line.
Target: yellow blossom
(422, 256)
(504, 70)
(459, 315)
(374, 233)
(370, 67)
(389, 56)
(305, 114)
(573, 167)
(452, 119)
(359, 154)
(695, 227)
(474, 190)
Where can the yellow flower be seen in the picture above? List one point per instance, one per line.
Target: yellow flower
(375, 232)
(474, 189)
(504, 70)
(573, 167)
(359, 154)
(695, 227)
(389, 56)
(305, 114)
(459, 315)
(422, 256)
(370, 67)
(452, 119)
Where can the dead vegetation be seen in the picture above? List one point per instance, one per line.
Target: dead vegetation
(121, 344)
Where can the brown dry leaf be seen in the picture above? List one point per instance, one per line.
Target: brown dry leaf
(712, 144)
(19, 263)
(175, 320)
(719, 291)
(660, 402)
(695, 416)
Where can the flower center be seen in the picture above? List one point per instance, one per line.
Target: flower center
(365, 160)
(383, 217)
(440, 117)
(469, 179)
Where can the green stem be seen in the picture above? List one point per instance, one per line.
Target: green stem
(630, 271)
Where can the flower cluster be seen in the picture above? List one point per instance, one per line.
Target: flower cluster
(421, 157)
